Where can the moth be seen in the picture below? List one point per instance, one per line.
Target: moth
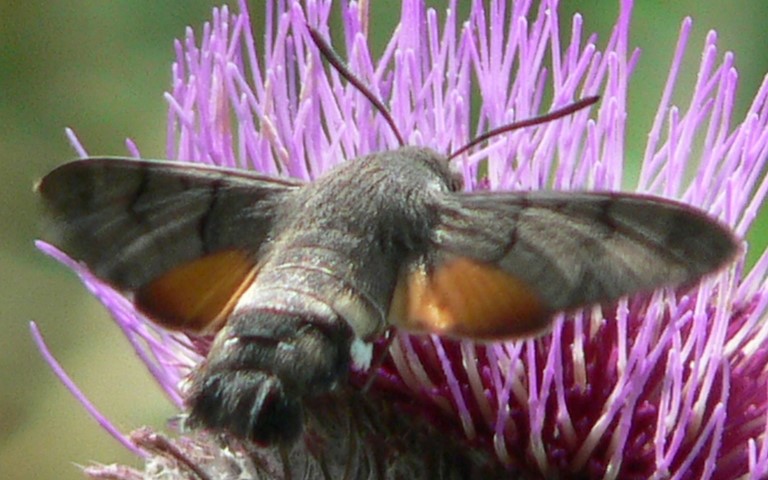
(296, 280)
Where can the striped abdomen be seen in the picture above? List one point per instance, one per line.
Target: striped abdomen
(289, 337)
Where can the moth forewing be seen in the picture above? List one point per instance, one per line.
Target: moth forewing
(180, 239)
(512, 260)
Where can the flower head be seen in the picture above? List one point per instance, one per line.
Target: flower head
(672, 385)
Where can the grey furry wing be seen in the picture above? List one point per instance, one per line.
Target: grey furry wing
(130, 220)
(502, 264)
(575, 249)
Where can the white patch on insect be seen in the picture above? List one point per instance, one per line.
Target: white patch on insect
(364, 323)
(361, 353)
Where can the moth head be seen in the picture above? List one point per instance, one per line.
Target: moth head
(433, 167)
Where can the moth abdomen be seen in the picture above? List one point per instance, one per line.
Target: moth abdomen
(329, 274)
(262, 366)
(249, 404)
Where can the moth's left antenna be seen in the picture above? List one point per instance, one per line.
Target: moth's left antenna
(333, 58)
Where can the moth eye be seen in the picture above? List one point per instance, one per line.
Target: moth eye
(455, 177)
(456, 183)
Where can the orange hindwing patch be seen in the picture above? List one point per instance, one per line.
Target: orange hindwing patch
(466, 298)
(199, 295)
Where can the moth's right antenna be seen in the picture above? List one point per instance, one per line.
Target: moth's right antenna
(528, 122)
(333, 58)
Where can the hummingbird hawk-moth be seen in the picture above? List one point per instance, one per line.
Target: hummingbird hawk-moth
(296, 280)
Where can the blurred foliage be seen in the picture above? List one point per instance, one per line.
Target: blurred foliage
(102, 68)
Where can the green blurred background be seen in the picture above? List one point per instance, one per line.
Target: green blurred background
(101, 68)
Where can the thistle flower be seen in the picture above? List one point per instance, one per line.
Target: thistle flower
(672, 385)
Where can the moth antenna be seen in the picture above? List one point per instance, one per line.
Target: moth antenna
(333, 58)
(547, 117)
